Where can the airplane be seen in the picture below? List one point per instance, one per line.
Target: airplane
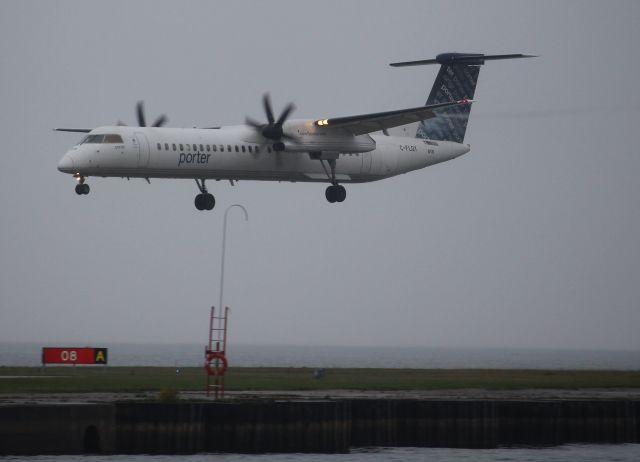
(336, 150)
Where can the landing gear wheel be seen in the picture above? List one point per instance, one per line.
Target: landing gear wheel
(205, 201)
(330, 194)
(335, 193)
(209, 201)
(82, 189)
(199, 201)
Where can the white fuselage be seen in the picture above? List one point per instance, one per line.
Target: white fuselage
(236, 153)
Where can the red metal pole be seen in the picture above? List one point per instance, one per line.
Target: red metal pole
(213, 310)
(224, 340)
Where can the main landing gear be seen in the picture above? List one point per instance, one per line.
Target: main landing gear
(81, 188)
(204, 200)
(335, 192)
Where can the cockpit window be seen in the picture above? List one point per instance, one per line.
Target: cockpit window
(108, 138)
(93, 139)
(113, 138)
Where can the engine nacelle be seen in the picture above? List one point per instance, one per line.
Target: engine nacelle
(305, 136)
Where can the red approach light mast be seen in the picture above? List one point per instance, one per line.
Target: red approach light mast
(216, 363)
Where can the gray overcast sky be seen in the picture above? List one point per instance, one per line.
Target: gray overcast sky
(531, 240)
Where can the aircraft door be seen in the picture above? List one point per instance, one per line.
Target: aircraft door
(143, 149)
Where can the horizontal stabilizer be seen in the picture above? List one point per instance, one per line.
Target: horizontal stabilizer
(472, 59)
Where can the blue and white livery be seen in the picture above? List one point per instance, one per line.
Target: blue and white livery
(339, 150)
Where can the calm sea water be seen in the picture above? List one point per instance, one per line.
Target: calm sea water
(583, 453)
(28, 354)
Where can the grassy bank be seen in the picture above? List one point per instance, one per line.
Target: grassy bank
(137, 379)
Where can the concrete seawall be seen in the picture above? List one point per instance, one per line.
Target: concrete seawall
(488, 424)
(57, 429)
(310, 426)
(279, 426)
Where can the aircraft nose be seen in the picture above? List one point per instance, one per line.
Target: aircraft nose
(66, 164)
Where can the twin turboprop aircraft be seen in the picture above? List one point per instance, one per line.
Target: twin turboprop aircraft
(339, 150)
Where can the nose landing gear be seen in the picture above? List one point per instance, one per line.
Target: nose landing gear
(81, 188)
(204, 200)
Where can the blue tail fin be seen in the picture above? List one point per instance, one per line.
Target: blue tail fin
(453, 83)
(456, 81)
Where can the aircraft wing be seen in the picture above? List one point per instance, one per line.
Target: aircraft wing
(73, 130)
(367, 123)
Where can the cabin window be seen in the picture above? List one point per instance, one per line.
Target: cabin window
(244, 149)
(166, 146)
(159, 147)
(195, 148)
(201, 148)
(181, 148)
(214, 148)
(237, 150)
(250, 148)
(174, 146)
(221, 148)
(208, 148)
(257, 149)
(229, 147)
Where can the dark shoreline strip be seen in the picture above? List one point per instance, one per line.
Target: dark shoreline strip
(310, 426)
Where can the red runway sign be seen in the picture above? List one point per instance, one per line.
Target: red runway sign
(71, 355)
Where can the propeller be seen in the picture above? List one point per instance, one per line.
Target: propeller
(273, 129)
(159, 122)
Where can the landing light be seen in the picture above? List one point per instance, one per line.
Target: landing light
(322, 122)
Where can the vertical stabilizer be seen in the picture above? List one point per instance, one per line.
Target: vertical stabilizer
(456, 81)
(453, 83)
